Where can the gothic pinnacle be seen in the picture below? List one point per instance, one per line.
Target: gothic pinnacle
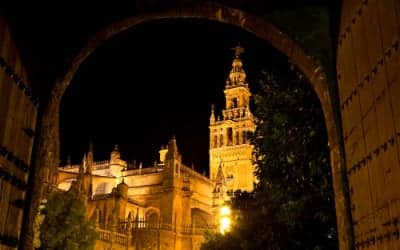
(212, 116)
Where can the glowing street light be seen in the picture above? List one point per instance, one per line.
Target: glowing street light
(225, 219)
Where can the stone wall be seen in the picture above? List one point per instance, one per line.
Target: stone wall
(18, 110)
(369, 87)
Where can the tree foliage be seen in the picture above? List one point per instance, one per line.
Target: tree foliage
(254, 225)
(293, 161)
(293, 204)
(65, 225)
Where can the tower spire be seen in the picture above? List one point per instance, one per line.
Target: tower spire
(89, 159)
(212, 116)
(172, 149)
(237, 76)
(220, 179)
(219, 188)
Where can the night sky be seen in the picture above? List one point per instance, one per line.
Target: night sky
(153, 81)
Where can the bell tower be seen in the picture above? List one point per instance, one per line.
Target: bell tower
(229, 144)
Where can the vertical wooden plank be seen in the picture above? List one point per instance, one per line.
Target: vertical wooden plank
(345, 87)
(392, 66)
(19, 143)
(3, 102)
(345, 123)
(353, 156)
(9, 136)
(8, 50)
(395, 213)
(373, 164)
(349, 8)
(371, 131)
(349, 147)
(388, 22)
(2, 33)
(347, 142)
(384, 116)
(16, 144)
(372, 22)
(342, 72)
(2, 187)
(6, 88)
(396, 8)
(359, 47)
(395, 93)
(391, 172)
(378, 83)
(382, 216)
(10, 221)
(4, 203)
(364, 189)
(356, 139)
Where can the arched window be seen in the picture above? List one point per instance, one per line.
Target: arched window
(221, 140)
(152, 220)
(215, 141)
(234, 103)
(230, 136)
(237, 138)
(100, 219)
(244, 136)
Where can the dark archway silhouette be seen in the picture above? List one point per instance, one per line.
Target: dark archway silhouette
(49, 142)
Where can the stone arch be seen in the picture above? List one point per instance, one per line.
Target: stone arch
(234, 102)
(152, 217)
(48, 144)
(200, 218)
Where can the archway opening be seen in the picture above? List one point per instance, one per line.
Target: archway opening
(143, 96)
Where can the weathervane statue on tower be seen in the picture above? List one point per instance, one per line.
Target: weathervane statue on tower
(238, 50)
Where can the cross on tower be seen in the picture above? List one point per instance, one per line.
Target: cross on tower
(238, 50)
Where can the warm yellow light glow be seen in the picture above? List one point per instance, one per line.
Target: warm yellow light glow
(225, 220)
(225, 224)
(225, 210)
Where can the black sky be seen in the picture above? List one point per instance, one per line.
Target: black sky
(153, 81)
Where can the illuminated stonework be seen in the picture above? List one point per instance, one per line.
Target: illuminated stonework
(165, 206)
(229, 144)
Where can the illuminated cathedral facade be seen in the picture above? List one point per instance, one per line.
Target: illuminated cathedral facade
(169, 205)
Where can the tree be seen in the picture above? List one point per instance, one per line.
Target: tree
(292, 206)
(293, 161)
(65, 225)
(254, 224)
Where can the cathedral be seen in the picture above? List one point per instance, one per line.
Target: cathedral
(169, 205)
